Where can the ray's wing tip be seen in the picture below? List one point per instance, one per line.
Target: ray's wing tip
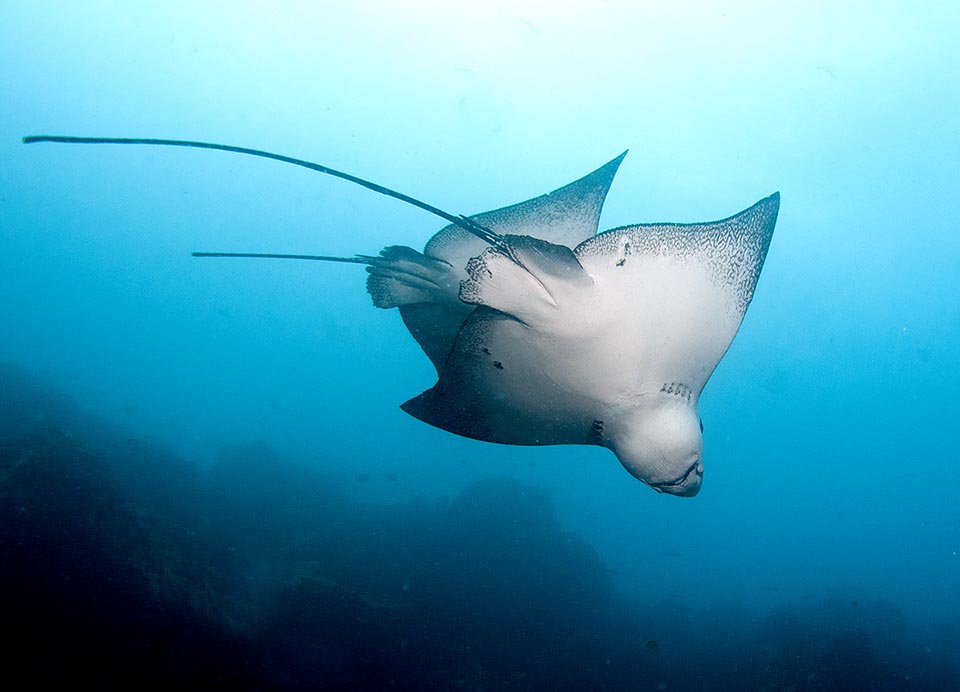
(417, 407)
(426, 408)
(774, 202)
(615, 162)
(769, 205)
(767, 209)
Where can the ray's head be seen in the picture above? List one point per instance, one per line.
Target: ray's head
(661, 444)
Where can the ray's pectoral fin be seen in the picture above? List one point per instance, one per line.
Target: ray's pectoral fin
(533, 283)
(403, 276)
(507, 378)
(500, 283)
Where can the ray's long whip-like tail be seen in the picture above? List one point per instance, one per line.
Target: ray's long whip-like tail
(464, 222)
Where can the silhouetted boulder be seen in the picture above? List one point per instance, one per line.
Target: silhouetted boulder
(88, 595)
(154, 480)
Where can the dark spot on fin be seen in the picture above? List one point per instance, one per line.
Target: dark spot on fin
(597, 429)
(621, 262)
(498, 365)
(485, 350)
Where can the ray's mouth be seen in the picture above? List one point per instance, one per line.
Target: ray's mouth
(686, 485)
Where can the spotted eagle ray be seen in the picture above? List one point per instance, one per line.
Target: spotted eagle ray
(544, 331)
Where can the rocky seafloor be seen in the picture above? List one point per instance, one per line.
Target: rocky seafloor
(125, 566)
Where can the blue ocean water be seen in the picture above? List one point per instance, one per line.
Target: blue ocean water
(830, 433)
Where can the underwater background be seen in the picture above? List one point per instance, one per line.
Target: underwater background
(205, 478)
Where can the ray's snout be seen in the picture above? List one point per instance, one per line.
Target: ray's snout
(662, 446)
(687, 485)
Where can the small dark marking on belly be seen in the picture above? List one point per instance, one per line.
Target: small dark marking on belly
(677, 389)
(597, 429)
(498, 365)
